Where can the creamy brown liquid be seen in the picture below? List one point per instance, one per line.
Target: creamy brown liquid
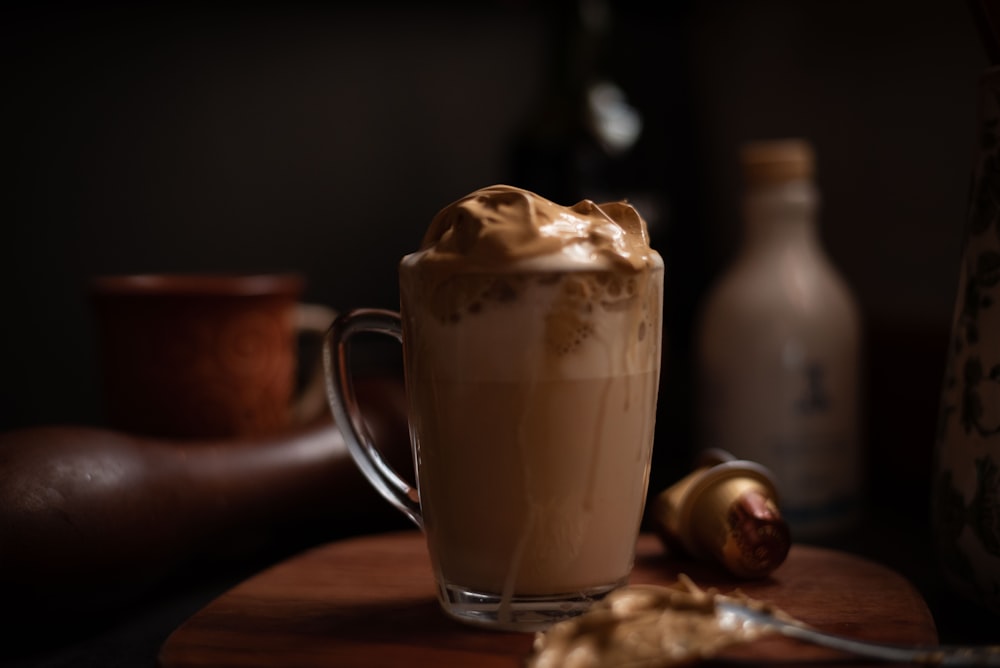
(532, 344)
(561, 466)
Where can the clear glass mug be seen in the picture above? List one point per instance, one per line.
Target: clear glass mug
(532, 401)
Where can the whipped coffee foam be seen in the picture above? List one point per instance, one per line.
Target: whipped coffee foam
(502, 228)
(531, 275)
(532, 344)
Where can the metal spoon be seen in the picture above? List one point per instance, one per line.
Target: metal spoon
(646, 626)
(733, 613)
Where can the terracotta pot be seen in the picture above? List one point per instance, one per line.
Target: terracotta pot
(205, 356)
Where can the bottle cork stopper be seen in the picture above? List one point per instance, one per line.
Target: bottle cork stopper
(777, 161)
(726, 511)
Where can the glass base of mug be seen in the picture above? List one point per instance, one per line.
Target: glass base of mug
(520, 613)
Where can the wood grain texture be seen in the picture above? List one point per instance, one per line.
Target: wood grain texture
(370, 601)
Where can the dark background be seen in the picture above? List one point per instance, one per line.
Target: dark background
(321, 138)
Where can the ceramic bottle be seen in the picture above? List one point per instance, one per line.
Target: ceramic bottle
(778, 349)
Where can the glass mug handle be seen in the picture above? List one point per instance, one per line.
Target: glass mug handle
(347, 413)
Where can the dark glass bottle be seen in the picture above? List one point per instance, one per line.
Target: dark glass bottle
(614, 121)
(587, 139)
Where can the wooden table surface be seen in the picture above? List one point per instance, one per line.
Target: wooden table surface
(370, 601)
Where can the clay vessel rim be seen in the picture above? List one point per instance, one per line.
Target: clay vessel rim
(198, 284)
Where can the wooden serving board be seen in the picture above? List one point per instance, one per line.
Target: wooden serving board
(371, 602)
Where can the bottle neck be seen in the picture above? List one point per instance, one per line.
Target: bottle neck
(580, 33)
(783, 213)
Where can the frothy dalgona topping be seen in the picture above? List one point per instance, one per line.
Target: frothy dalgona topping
(538, 280)
(484, 248)
(499, 226)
